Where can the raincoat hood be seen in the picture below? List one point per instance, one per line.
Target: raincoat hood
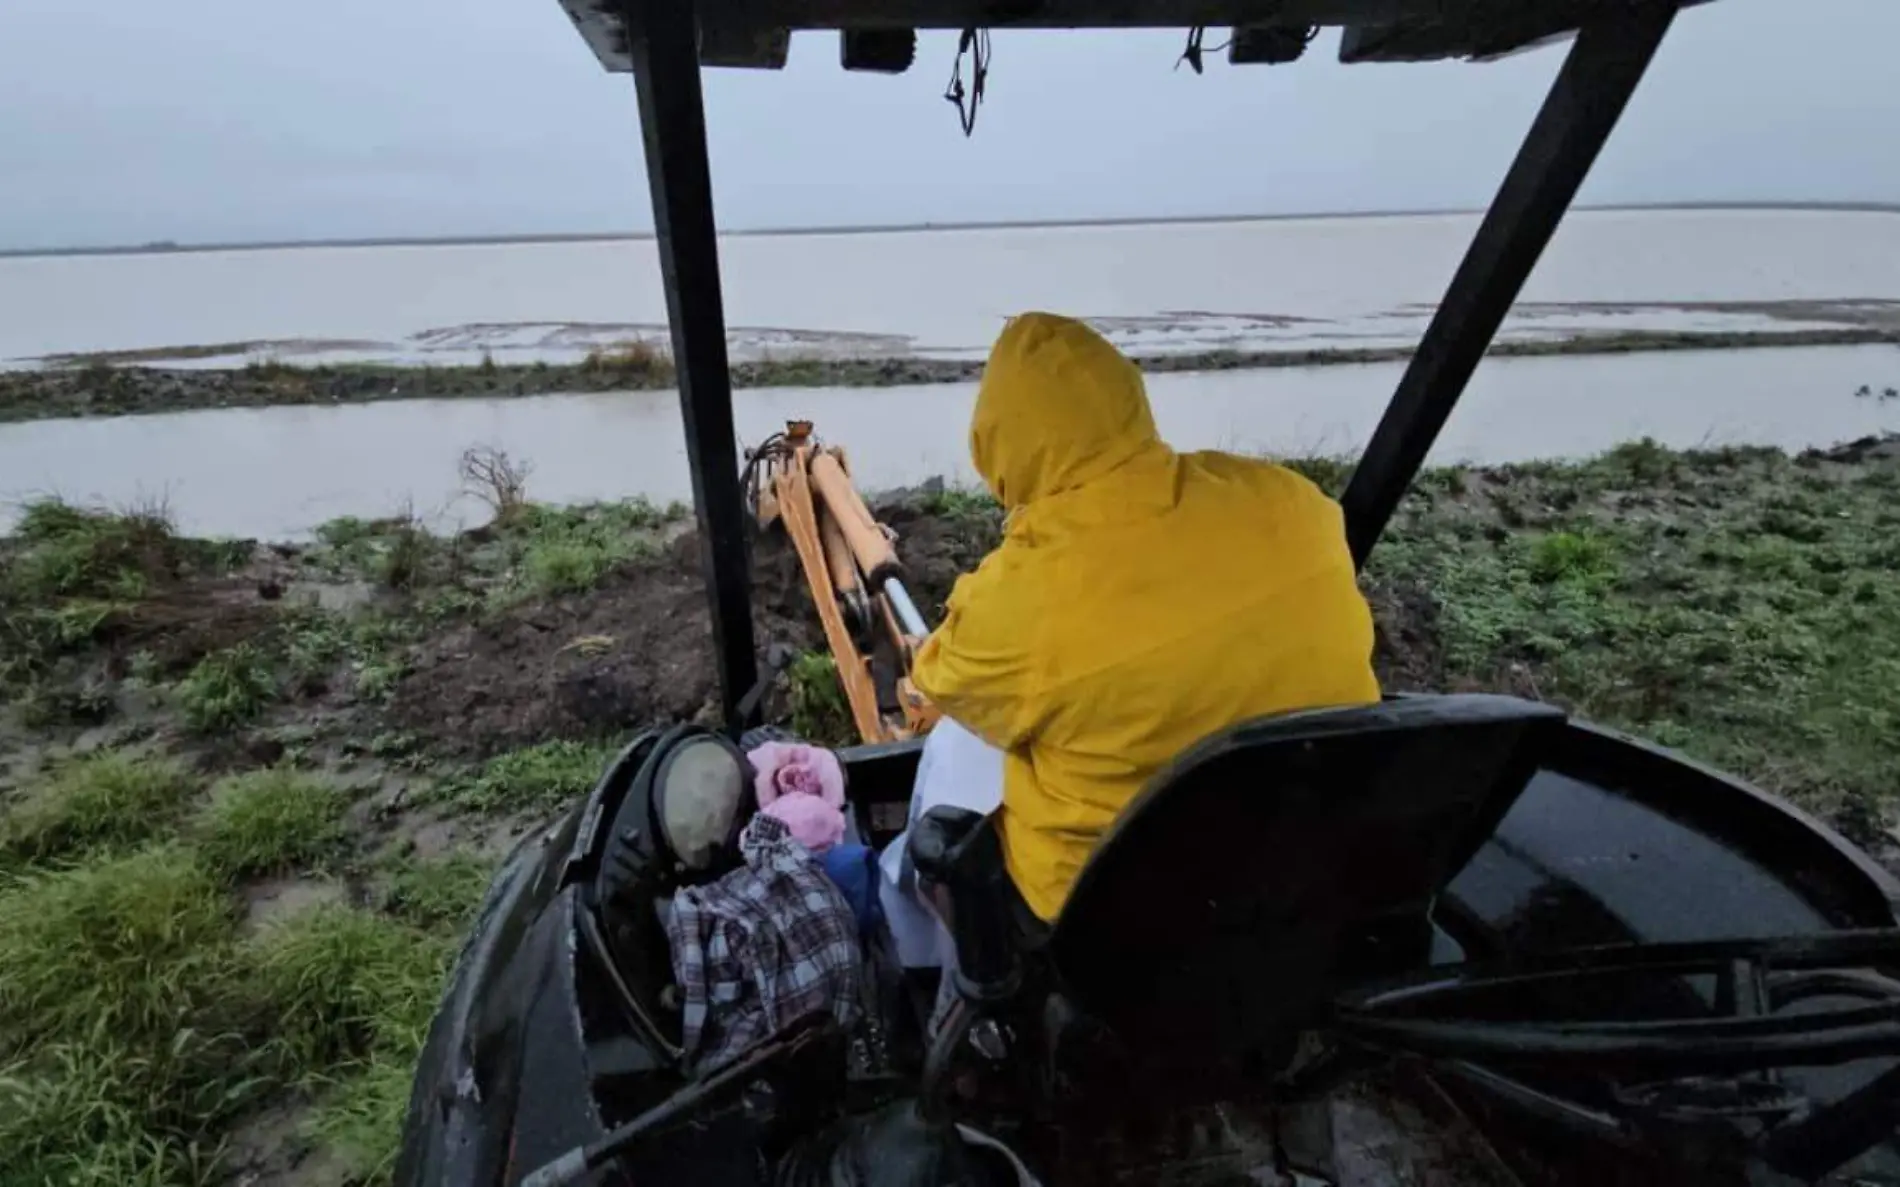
(1058, 407)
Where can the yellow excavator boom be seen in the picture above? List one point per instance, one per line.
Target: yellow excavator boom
(849, 559)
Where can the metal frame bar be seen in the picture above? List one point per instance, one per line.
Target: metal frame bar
(1583, 107)
(663, 38)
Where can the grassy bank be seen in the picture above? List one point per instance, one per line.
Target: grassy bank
(122, 383)
(1737, 604)
(249, 793)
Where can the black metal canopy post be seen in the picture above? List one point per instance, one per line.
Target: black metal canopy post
(664, 45)
(1584, 104)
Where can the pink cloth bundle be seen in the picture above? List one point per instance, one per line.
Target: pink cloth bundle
(802, 786)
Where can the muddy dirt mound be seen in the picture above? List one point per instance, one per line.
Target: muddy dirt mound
(638, 649)
(936, 548)
(1882, 448)
(1407, 652)
(635, 650)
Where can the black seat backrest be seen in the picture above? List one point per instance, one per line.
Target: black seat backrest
(1232, 896)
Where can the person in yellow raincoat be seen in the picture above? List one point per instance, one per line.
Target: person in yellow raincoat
(1141, 600)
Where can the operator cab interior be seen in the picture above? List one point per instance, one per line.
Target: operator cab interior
(1270, 864)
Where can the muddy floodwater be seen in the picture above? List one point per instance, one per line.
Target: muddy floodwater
(1272, 284)
(276, 472)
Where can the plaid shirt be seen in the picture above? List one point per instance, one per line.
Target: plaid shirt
(763, 947)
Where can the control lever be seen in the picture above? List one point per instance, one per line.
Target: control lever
(961, 852)
(778, 657)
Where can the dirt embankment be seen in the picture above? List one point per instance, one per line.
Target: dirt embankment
(105, 386)
(638, 647)
(562, 628)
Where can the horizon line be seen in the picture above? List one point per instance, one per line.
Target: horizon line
(171, 247)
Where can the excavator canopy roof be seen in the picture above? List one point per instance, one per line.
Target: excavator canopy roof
(751, 32)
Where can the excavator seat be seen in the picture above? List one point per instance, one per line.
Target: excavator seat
(1267, 865)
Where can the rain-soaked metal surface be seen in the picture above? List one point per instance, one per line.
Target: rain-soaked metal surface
(1377, 30)
(679, 174)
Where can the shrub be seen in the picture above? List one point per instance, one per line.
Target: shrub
(268, 822)
(43, 706)
(408, 550)
(344, 982)
(104, 800)
(953, 502)
(52, 519)
(820, 712)
(398, 552)
(1562, 556)
(1643, 461)
(568, 565)
(83, 1116)
(74, 551)
(345, 531)
(1330, 474)
(489, 474)
(123, 948)
(226, 689)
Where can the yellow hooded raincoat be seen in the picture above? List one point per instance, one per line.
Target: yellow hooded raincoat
(1140, 600)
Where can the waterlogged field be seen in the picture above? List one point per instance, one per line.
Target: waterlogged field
(250, 794)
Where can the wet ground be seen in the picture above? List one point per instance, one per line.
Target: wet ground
(137, 382)
(446, 693)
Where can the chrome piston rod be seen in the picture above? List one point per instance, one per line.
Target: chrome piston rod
(904, 608)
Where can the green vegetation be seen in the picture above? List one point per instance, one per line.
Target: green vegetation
(819, 711)
(68, 579)
(529, 551)
(396, 552)
(1329, 472)
(359, 1117)
(120, 1043)
(316, 644)
(354, 991)
(1737, 604)
(227, 688)
(958, 503)
(348, 982)
(442, 892)
(1582, 557)
(125, 945)
(406, 558)
(270, 822)
(83, 552)
(138, 1023)
(43, 706)
(533, 779)
(569, 549)
(566, 565)
(105, 800)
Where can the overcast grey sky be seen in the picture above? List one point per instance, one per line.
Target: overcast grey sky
(246, 119)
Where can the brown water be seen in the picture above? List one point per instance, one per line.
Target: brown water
(277, 472)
